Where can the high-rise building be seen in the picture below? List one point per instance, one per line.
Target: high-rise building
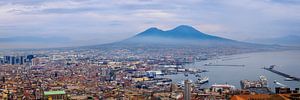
(19, 60)
(7, 59)
(22, 60)
(13, 60)
(187, 90)
(1, 60)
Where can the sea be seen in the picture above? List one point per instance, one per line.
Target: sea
(234, 68)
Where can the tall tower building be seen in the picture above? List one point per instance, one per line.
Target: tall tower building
(7, 59)
(13, 60)
(187, 90)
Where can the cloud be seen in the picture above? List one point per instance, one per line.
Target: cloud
(113, 20)
(153, 14)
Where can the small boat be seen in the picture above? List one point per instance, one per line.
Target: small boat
(288, 79)
(204, 70)
(202, 80)
(263, 78)
(186, 74)
(197, 75)
(279, 84)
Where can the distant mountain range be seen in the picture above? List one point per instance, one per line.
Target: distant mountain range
(32, 42)
(33, 39)
(290, 40)
(180, 36)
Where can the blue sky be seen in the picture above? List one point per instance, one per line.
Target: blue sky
(85, 22)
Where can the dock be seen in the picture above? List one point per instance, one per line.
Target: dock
(224, 65)
(271, 69)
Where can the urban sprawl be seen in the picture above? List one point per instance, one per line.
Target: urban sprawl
(122, 74)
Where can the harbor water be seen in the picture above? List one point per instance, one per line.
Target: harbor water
(232, 69)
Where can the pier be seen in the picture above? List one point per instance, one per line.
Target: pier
(224, 65)
(271, 69)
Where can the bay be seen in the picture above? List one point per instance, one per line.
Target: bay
(285, 61)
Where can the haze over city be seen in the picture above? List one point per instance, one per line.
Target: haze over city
(65, 23)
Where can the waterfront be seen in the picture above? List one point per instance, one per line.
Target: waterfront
(286, 61)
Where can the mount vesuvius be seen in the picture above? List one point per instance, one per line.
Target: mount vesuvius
(182, 35)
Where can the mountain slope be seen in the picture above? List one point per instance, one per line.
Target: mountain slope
(180, 32)
(181, 35)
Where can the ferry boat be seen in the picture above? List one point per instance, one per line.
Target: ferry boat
(288, 79)
(202, 80)
(263, 78)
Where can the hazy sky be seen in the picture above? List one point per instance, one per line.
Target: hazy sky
(83, 22)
